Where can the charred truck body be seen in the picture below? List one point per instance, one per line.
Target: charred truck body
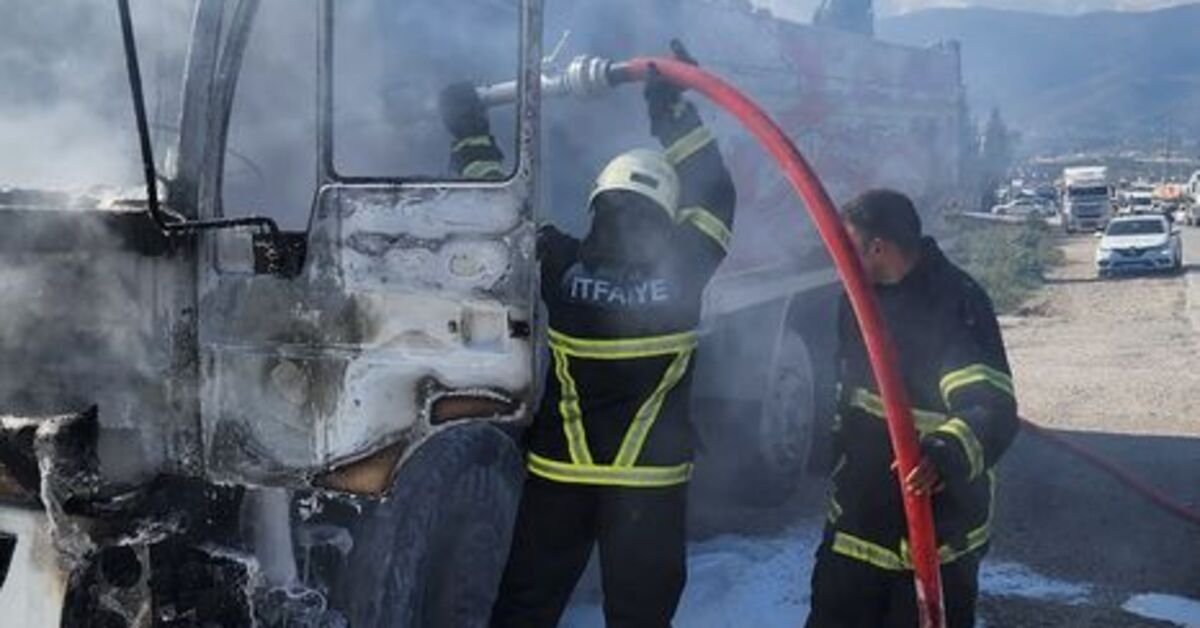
(311, 417)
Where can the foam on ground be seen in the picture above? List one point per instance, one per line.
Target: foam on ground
(764, 582)
(1180, 611)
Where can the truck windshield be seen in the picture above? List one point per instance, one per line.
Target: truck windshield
(1136, 227)
(1087, 192)
(66, 121)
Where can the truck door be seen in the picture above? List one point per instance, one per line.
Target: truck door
(398, 298)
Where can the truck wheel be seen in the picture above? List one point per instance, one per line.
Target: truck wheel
(770, 451)
(786, 422)
(432, 553)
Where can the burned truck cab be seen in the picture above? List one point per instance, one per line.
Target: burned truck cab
(279, 384)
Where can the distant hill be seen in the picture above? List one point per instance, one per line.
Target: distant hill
(1098, 78)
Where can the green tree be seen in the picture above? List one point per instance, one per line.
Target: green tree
(996, 156)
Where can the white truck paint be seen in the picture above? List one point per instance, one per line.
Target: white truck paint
(1193, 194)
(1086, 198)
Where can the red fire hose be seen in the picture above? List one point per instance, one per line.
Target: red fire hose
(1131, 481)
(879, 345)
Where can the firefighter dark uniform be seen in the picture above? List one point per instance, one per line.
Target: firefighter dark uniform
(956, 372)
(610, 448)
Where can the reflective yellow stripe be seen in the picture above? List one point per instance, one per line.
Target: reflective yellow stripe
(639, 428)
(622, 348)
(568, 407)
(708, 224)
(474, 140)
(927, 421)
(976, 539)
(867, 552)
(608, 475)
(835, 509)
(481, 169)
(970, 444)
(972, 375)
(884, 558)
(688, 145)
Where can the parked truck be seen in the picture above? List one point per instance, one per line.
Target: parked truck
(1086, 198)
(1192, 199)
(291, 394)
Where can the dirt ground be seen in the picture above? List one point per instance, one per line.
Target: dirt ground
(1113, 365)
(1117, 355)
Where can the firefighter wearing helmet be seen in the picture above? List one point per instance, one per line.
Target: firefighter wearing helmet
(610, 448)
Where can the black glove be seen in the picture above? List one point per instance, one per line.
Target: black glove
(462, 112)
(549, 240)
(662, 96)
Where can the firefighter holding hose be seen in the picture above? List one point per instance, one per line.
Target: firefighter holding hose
(953, 362)
(610, 448)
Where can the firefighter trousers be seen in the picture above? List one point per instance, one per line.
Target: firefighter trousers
(849, 593)
(641, 536)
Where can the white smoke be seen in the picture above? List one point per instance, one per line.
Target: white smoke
(802, 10)
(66, 118)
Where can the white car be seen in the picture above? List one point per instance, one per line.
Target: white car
(1139, 242)
(1023, 207)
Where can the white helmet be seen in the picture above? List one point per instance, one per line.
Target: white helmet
(643, 171)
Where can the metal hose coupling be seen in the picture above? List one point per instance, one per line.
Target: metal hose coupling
(584, 77)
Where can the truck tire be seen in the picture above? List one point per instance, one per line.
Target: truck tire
(801, 396)
(784, 429)
(757, 450)
(432, 553)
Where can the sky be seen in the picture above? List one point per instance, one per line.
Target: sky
(803, 9)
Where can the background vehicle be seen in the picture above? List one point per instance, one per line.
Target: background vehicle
(1193, 197)
(1086, 198)
(1025, 206)
(1138, 202)
(1047, 194)
(1143, 242)
(300, 411)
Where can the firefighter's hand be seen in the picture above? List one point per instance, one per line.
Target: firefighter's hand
(924, 479)
(462, 112)
(549, 241)
(936, 466)
(662, 95)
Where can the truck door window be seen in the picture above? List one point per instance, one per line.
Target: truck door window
(390, 61)
(271, 157)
